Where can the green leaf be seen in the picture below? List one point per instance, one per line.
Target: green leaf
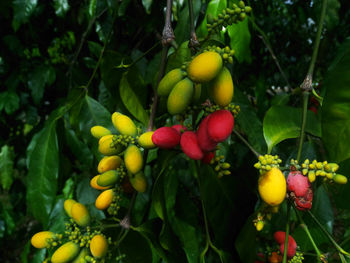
(58, 217)
(246, 241)
(322, 208)
(38, 79)
(95, 48)
(214, 8)
(240, 41)
(9, 101)
(42, 172)
(61, 7)
(284, 122)
(336, 106)
(135, 242)
(92, 7)
(147, 5)
(180, 56)
(332, 12)
(6, 167)
(131, 101)
(22, 10)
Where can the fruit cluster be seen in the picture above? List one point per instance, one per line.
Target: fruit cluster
(267, 162)
(228, 17)
(199, 144)
(76, 240)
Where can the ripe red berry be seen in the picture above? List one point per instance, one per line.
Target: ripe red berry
(297, 183)
(166, 137)
(180, 128)
(292, 245)
(204, 140)
(189, 145)
(220, 125)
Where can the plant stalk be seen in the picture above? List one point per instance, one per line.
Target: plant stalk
(303, 123)
(287, 235)
(247, 143)
(193, 43)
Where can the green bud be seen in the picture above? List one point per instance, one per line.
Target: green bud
(225, 165)
(242, 16)
(305, 171)
(241, 4)
(247, 9)
(257, 165)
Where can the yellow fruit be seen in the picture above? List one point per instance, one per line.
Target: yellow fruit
(80, 214)
(106, 137)
(145, 140)
(272, 187)
(40, 239)
(221, 89)
(180, 97)
(133, 159)
(109, 163)
(340, 179)
(168, 82)
(98, 246)
(68, 206)
(81, 257)
(138, 182)
(108, 146)
(65, 253)
(93, 184)
(108, 178)
(204, 67)
(124, 124)
(104, 200)
(99, 131)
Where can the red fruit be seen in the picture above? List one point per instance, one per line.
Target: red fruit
(298, 183)
(180, 128)
(220, 125)
(189, 145)
(166, 137)
(292, 245)
(304, 202)
(204, 140)
(208, 157)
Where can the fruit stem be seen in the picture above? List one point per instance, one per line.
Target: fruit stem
(247, 143)
(193, 43)
(287, 235)
(324, 230)
(303, 124)
(207, 235)
(167, 37)
(306, 229)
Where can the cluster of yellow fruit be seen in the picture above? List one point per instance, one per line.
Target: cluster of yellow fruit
(74, 248)
(183, 88)
(122, 156)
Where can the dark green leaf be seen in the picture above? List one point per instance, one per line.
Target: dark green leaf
(180, 56)
(9, 101)
(147, 5)
(240, 41)
(134, 242)
(22, 10)
(336, 107)
(42, 172)
(92, 7)
(131, 101)
(332, 12)
(95, 48)
(246, 241)
(58, 217)
(322, 208)
(284, 122)
(6, 167)
(39, 256)
(61, 7)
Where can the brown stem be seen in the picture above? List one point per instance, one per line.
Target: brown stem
(168, 32)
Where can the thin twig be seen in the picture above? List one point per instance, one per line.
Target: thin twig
(247, 143)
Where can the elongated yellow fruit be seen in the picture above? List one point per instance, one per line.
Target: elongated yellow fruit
(40, 239)
(138, 182)
(80, 214)
(145, 140)
(98, 246)
(272, 187)
(204, 67)
(109, 163)
(133, 159)
(68, 206)
(65, 253)
(108, 178)
(99, 131)
(168, 82)
(221, 89)
(93, 184)
(108, 146)
(124, 124)
(104, 200)
(104, 138)
(180, 97)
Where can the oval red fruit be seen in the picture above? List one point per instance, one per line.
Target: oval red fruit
(204, 141)
(292, 245)
(298, 183)
(180, 128)
(220, 125)
(189, 145)
(166, 137)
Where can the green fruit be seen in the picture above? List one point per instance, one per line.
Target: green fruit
(168, 82)
(107, 178)
(221, 89)
(65, 253)
(204, 67)
(138, 182)
(180, 97)
(81, 257)
(133, 159)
